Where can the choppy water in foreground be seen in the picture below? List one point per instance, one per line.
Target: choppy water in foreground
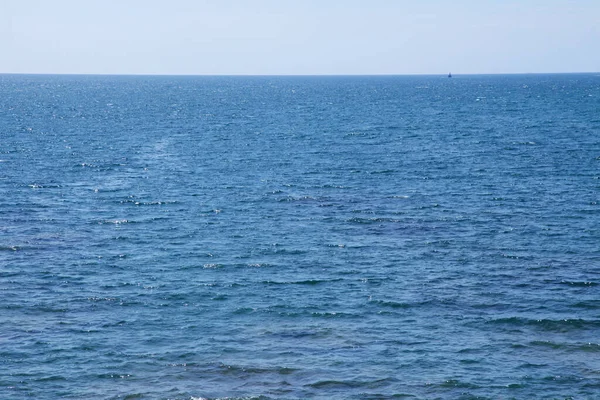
(300, 237)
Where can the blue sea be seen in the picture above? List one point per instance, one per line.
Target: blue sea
(333, 237)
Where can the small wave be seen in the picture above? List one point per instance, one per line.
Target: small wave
(515, 386)
(376, 220)
(113, 376)
(51, 378)
(516, 256)
(114, 221)
(44, 186)
(469, 361)
(381, 396)
(455, 383)
(296, 198)
(331, 314)
(10, 248)
(50, 309)
(560, 325)
(330, 186)
(101, 167)
(259, 265)
(102, 299)
(524, 143)
(310, 282)
(255, 370)
(231, 398)
(579, 283)
(391, 304)
(570, 347)
(589, 304)
(346, 384)
(133, 396)
(113, 324)
(148, 203)
(212, 266)
(244, 310)
(529, 365)
(564, 379)
(333, 384)
(290, 251)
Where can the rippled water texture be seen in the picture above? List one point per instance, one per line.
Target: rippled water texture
(300, 237)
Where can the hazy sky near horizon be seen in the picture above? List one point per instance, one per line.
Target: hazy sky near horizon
(299, 36)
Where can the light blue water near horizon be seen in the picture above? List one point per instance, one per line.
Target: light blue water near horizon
(300, 237)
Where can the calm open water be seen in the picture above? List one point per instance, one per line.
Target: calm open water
(300, 237)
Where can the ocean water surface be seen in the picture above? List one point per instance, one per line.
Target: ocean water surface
(300, 237)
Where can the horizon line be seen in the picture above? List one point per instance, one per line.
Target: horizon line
(291, 75)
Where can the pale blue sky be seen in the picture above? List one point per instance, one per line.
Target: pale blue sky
(299, 36)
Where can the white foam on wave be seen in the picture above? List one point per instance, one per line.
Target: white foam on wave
(116, 221)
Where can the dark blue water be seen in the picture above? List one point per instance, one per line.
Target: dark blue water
(300, 237)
